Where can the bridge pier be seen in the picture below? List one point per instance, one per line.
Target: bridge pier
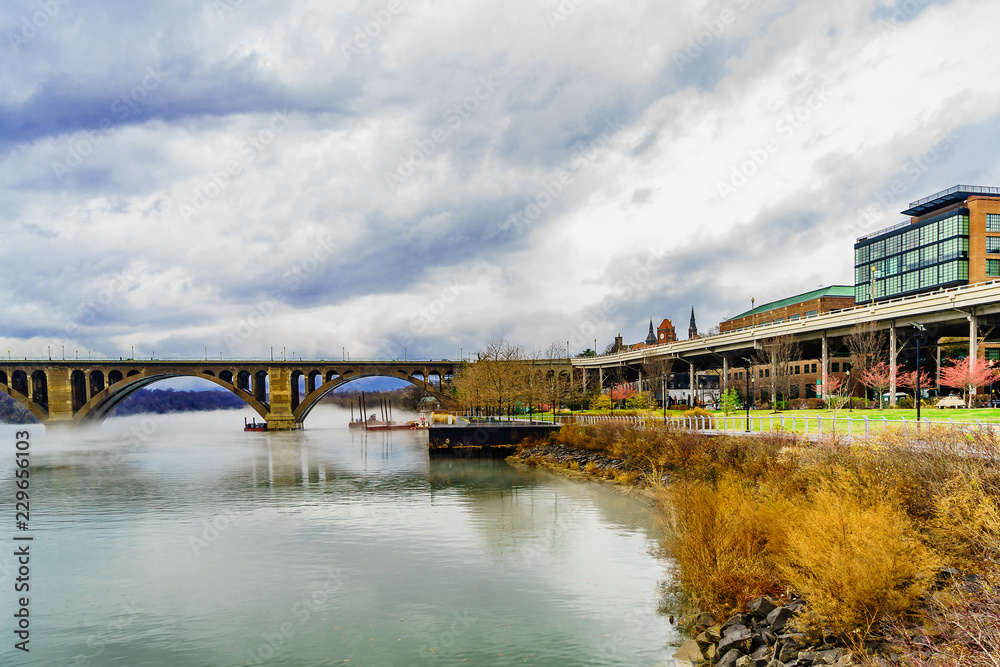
(280, 416)
(60, 392)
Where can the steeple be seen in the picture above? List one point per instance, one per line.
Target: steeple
(692, 328)
(651, 338)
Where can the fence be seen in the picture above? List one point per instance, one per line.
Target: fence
(807, 425)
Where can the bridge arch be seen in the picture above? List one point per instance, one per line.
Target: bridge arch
(102, 404)
(312, 399)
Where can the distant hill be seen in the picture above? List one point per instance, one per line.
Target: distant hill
(159, 401)
(162, 401)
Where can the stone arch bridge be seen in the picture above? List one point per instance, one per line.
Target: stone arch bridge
(281, 392)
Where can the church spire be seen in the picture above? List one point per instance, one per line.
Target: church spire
(692, 328)
(651, 338)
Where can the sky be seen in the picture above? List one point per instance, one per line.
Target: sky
(327, 178)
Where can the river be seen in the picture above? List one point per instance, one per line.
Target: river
(181, 540)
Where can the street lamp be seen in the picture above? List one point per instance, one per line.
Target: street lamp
(920, 334)
(850, 392)
(663, 395)
(746, 390)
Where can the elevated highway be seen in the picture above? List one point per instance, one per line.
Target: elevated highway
(970, 311)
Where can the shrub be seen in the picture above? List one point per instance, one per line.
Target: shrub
(638, 401)
(980, 400)
(904, 403)
(600, 402)
(857, 558)
(697, 412)
(966, 525)
(718, 544)
(808, 404)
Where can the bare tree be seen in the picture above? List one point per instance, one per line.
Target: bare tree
(496, 376)
(775, 357)
(867, 346)
(557, 383)
(658, 370)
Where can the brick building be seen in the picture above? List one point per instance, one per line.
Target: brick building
(794, 307)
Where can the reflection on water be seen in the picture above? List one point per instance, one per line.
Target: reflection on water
(185, 541)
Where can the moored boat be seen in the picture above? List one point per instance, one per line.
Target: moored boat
(254, 425)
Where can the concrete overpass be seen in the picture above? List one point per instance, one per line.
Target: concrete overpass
(61, 392)
(971, 311)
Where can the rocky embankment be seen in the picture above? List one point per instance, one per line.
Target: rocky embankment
(761, 637)
(561, 457)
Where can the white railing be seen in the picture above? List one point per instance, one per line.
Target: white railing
(810, 426)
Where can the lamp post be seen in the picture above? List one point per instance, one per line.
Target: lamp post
(920, 334)
(663, 395)
(746, 390)
(850, 392)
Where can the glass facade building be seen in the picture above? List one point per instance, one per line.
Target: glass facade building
(913, 258)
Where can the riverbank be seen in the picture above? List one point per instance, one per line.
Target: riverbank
(872, 535)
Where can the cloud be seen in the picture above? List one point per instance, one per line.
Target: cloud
(323, 175)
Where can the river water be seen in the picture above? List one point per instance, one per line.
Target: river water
(182, 540)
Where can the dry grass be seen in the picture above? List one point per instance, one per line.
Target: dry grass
(718, 540)
(858, 529)
(856, 557)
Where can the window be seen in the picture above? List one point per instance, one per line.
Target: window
(911, 260)
(911, 281)
(847, 367)
(948, 250)
(928, 277)
(894, 245)
(992, 267)
(836, 367)
(928, 233)
(928, 255)
(760, 373)
(811, 313)
(792, 318)
(993, 244)
(911, 239)
(992, 222)
(814, 369)
(878, 250)
(767, 372)
(949, 227)
(963, 270)
(796, 369)
(948, 273)
(993, 353)
(779, 320)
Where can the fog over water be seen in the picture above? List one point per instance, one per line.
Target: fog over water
(182, 540)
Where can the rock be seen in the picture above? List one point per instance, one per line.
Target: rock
(711, 635)
(796, 606)
(729, 660)
(743, 661)
(712, 653)
(829, 656)
(779, 617)
(736, 619)
(787, 651)
(689, 654)
(736, 637)
(704, 620)
(760, 657)
(760, 607)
